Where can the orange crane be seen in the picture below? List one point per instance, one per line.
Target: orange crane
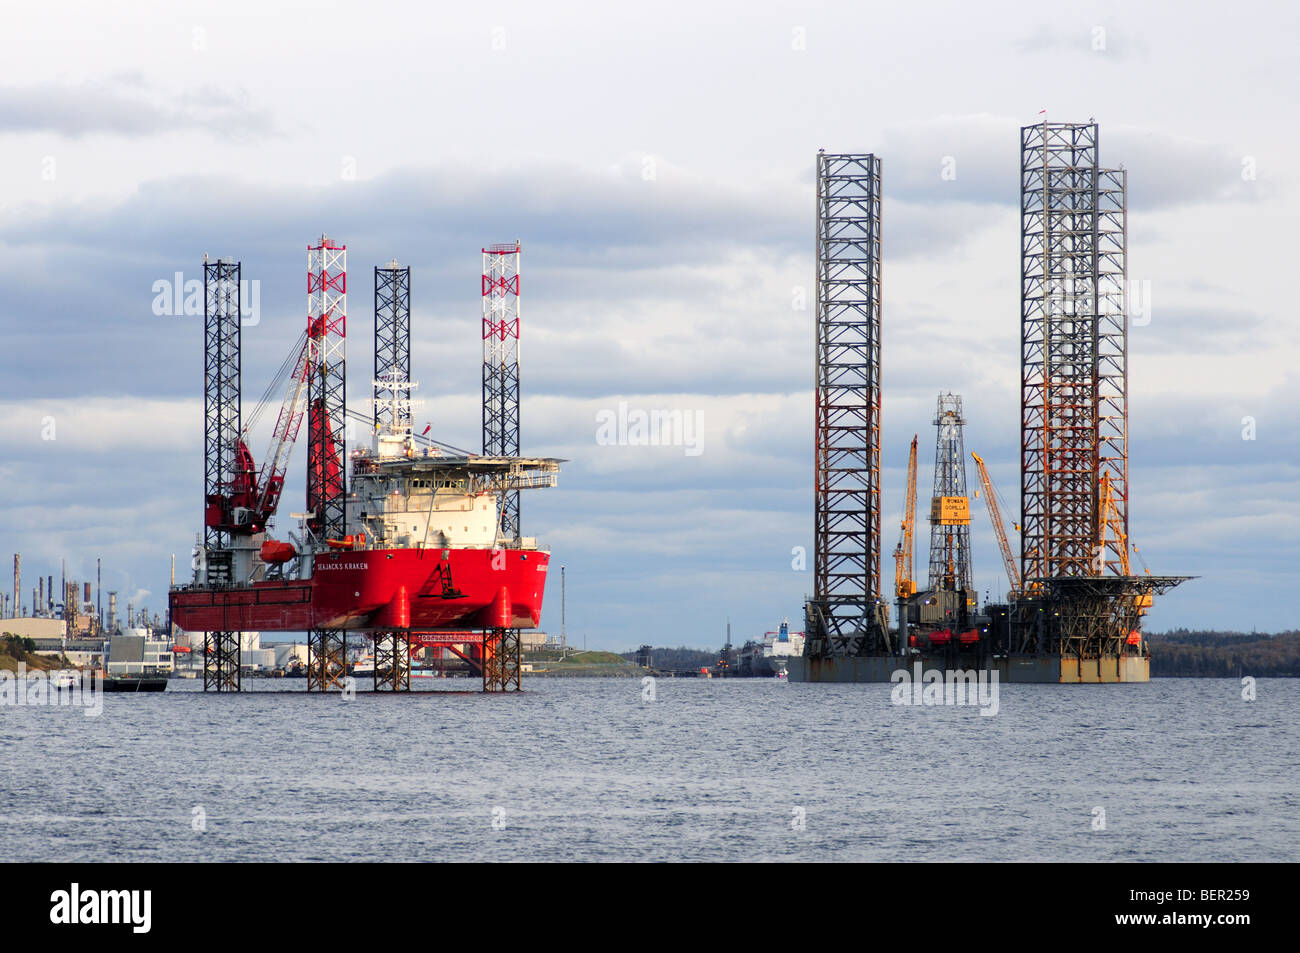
(904, 584)
(995, 514)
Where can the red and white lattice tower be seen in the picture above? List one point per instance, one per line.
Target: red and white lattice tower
(327, 307)
(501, 366)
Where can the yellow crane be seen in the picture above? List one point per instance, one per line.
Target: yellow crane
(999, 530)
(904, 584)
(1109, 519)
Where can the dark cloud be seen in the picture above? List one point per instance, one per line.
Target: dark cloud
(658, 279)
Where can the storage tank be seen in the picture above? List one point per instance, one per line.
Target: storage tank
(260, 658)
(287, 651)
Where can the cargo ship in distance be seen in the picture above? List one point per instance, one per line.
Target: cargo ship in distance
(770, 658)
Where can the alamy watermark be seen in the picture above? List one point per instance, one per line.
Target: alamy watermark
(949, 687)
(635, 427)
(129, 907)
(63, 688)
(176, 297)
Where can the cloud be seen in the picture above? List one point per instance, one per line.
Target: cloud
(975, 159)
(1102, 42)
(126, 105)
(634, 274)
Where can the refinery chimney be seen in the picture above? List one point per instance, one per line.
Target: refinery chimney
(18, 566)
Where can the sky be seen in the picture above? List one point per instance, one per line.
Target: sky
(656, 161)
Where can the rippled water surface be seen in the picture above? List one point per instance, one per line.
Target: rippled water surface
(709, 770)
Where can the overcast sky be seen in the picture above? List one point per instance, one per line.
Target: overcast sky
(656, 161)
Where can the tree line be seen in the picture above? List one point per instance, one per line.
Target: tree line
(1180, 652)
(1212, 654)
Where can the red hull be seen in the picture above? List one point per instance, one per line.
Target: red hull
(372, 590)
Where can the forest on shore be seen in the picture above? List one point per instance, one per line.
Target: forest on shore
(1212, 654)
(1181, 652)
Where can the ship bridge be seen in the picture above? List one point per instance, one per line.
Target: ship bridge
(433, 500)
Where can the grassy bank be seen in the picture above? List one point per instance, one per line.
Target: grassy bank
(579, 665)
(14, 650)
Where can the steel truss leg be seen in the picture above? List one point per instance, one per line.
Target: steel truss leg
(221, 662)
(393, 661)
(327, 659)
(501, 660)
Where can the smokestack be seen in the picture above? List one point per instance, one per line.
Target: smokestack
(112, 612)
(171, 629)
(18, 573)
(129, 612)
(39, 607)
(49, 594)
(99, 593)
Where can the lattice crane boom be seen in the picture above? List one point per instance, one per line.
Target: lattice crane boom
(270, 480)
(904, 564)
(999, 528)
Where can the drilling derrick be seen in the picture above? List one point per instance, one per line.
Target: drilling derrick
(223, 468)
(501, 367)
(950, 566)
(327, 306)
(845, 615)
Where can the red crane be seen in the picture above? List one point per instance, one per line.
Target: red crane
(253, 497)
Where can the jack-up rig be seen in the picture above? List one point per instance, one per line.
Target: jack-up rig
(419, 545)
(1074, 609)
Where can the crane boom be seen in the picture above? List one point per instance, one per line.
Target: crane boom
(1110, 519)
(999, 530)
(270, 481)
(904, 584)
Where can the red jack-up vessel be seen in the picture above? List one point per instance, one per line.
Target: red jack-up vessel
(421, 537)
